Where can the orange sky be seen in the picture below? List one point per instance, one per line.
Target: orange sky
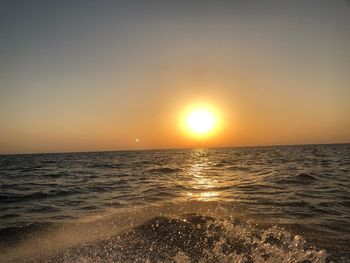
(87, 77)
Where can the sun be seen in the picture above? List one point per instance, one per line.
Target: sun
(201, 121)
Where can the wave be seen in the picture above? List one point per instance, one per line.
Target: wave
(164, 170)
(306, 177)
(106, 165)
(301, 178)
(201, 232)
(195, 238)
(39, 195)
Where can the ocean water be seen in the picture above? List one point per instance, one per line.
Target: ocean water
(254, 204)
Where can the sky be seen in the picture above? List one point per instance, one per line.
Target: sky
(119, 75)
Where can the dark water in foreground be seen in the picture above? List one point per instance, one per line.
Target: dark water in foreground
(258, 204)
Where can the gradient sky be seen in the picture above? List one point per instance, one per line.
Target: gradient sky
(96, 75)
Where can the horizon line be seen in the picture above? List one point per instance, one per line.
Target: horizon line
(180, 148)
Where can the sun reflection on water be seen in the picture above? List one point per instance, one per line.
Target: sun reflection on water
(202, 182)
(204, 196)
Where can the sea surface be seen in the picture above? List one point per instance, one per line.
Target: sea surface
(253, 204)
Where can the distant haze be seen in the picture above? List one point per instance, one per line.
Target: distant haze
(111, 75)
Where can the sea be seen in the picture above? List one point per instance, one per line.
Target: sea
(248, 204)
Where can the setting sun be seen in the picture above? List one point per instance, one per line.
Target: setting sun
(201, 121)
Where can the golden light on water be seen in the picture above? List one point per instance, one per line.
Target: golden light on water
(202, 183)
(204, 196)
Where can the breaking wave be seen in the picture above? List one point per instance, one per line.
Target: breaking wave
(188, 232)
